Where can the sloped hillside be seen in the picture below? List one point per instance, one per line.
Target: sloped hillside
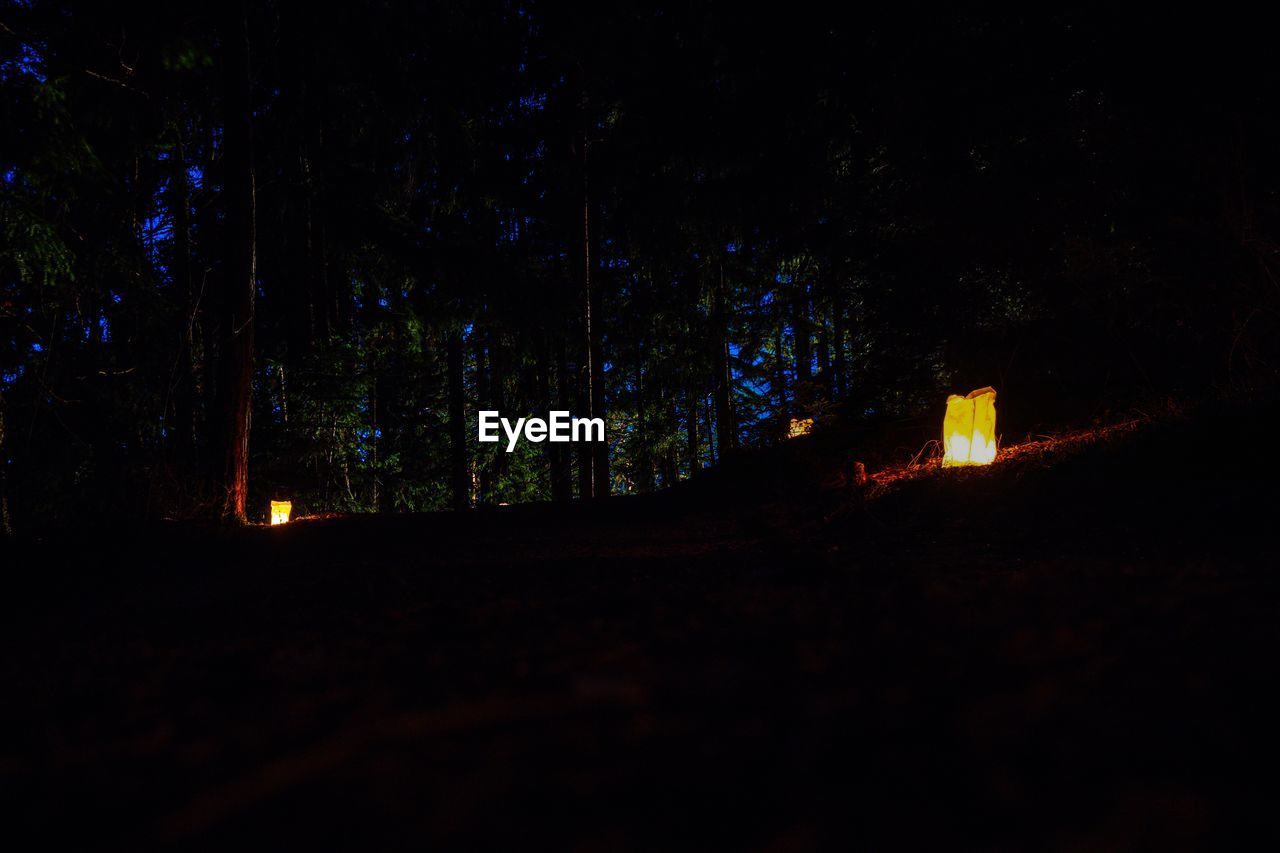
(1070, 649)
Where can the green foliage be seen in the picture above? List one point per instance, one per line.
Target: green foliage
(31, 246)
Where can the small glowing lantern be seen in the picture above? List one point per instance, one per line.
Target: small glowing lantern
(799, 427)
(969, 429)
(280, 511)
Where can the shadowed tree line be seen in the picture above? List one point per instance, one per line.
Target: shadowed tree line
(254, 250)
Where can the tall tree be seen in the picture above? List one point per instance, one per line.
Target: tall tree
(726, 431)
(184, 379)
(6, 528)
(235, 345)
(459, 464)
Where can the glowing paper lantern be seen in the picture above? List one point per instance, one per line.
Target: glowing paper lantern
(969, 429)
(280, 511)
(799, 427)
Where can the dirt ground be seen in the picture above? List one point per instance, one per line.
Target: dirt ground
(1073, 650)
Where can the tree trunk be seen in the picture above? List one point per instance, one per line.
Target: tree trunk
(586, 459)
(236, 346)
(212, 297)
(803, 338)
(691, 433)
(307, 313)
(643, 461)
(586, 374)
(725, 431)
(460, 471)
(600, 449)
(824, 357)
(671, 456)
(484, 400)
(596, 454)
(184, 386)
(383, 389)
(780, 370)
(712, 449)
(498, 395)
(561, 477)
(837, 350)
(6, 529)
(548, 365)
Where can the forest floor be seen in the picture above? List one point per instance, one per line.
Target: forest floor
(1073, 649)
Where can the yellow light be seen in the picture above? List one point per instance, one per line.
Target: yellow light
(280, 511)
(969, 429)
(799, 427)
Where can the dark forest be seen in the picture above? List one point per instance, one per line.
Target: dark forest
(256, 251)
(280, 251)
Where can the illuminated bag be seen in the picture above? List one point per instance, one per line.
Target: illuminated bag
(969, 429)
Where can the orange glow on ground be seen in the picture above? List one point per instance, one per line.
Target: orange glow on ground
(1046, 447)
